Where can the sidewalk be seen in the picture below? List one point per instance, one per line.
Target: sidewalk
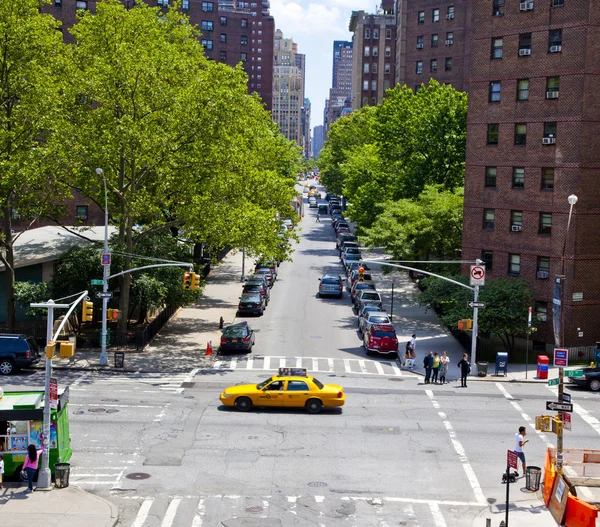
(70, 507)
(525, 512)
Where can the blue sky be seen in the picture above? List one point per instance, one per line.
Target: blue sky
(314, 25)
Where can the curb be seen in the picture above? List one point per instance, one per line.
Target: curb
(114, 511)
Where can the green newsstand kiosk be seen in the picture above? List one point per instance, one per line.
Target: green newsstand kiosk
(21, 423)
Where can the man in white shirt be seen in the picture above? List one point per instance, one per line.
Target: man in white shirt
(413, 343)
(519, 444)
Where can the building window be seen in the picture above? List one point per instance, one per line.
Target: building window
(543, 267)
(547, 179)
(208, 44)
(558, 3)
(488, 259)
(223, 20)
(541, 312)
(435, 15)
(433, 65)
(208, 7)
(245, 22)
(374, 85)
(520, 134)
(545, 223)
(494, 91)
(376, 34)
(374, 67)
(366, 85)
(375, 51)
(388, 32)
(244, 57)
(555, 41)
(81, 212)
(388, 51)
(524, 44)
(366, 67)
(523, 90)
(185, 4)
(516, 220)
(367, 33)
(450, 13)
(417, 89)
(207, 25)
(222, 55)
(419, 67)
(434, 41)
(489, 218)
(552, 87)
(550, 133)
(82, 4)
(498, 8)
(386, 85)
(497, 48)
(448, 64)
(387, 68)
(374, 101)
(490, 177)
(514, 264)
(492, 134)
(518, 178)
(420, 42)
(449, 38)
(421, 17)
(223, 38)
(57, 3)
(367, 51)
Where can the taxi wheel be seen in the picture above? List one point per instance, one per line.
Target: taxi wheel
(314, 406)
(243, 404)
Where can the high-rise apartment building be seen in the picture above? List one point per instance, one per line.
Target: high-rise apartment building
(337, 55)
(533, 140)
(306, 138)
(373, 55)
(288, 88)
(317, 142)
(340, 94)
(232, 32)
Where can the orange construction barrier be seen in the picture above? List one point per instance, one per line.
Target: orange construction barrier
(579, 513)
(549, 476)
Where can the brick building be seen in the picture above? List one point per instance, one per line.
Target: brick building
(374, 55)
(533, 139)
(433, 42)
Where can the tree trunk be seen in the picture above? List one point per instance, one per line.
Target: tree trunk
(126, 280)
(9, 271)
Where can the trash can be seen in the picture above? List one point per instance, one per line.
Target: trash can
(542, 366)
(532, 478)
(61, 475)
(119, 359)
(482, 368)
(501, 363)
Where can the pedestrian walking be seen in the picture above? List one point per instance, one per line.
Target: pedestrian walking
(436, 368)
(31, 464)
(519, 444)
(465, 369)
(1, 469)
(444, 362)
(428, 365)
(413, 343)
(318, 218)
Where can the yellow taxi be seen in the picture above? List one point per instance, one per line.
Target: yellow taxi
(313, 192)
(291, 387)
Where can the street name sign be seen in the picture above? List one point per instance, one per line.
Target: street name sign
(511, 459)
(566, 397)
(479, 305)
(553, 382)
(108, 294)
(96, 282)
(477, 275)
(573, 373)
(559, 407)
(561, 357)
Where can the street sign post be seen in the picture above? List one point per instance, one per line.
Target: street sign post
(96, 282)
(573, 373)
(479, 305)
(553, 382)
(477, 275)
(561, 357)
(559, 407)
(107, 294)
(567, 421)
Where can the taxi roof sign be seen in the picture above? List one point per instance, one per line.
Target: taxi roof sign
(293, 372)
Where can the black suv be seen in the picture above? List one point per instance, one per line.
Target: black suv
(16, 352)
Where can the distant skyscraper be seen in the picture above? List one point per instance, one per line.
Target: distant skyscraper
(340, 95)
(317, 142)
(306, 139)
(337, 48)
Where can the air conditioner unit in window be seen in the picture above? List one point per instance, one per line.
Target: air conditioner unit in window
(552, 95)
(523, 52)
(449, 16)
(419, 46)
(526, 6)
(449, 42)
(549, 141)
(499, 13)
(555, 49)
(543, 274)
(516, 228)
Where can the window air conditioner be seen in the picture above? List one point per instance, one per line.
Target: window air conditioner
(526, 6)
(552, 94)
(449, 42)
(543, 274)
(523, 52)
(555, 49)
(516, 228)
(449, 16)
(549, 140)
(419, 46)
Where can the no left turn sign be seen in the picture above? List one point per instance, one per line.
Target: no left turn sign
(477, 275)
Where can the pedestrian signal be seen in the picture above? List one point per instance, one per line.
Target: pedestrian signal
(87, 311)
(195, 281)
(465, 324)
(112, 314)
(67, 349)
(50, 349)
(187, 280)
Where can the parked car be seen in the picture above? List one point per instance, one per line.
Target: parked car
(270, 263)
(289, 224)
(323, 209)
(367, 296)
(331, 285)
(335, 208)
(347, 259)
(237, 337)
(258, 285)
(354, 278)
(357, 287)
(349, 250)
(591, 374)
(344, 237)
(381, 338)
(347, 244)
(312, 202)
(252, 303)
(16, 352)
(267, 273)
(372, 317)
(368, 308)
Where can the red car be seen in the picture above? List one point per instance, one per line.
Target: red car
(381, 338)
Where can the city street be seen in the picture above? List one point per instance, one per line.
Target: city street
(163, 449)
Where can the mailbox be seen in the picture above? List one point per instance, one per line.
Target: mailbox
(501, 363)
(542, 366)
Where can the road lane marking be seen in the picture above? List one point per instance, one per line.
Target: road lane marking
(187, 378)
(363, 366)
(159, 416)
(471, 477)
(200, 512)
(171, 512)
(233, 364)
(249, 363)
(347, 366)
(80, 379)
(397, 371)
(315, 364)
(282, 362)
(114, 405)
(379, 368)
(438, 518)
(298, 362)
(267, 363)
(330, 365)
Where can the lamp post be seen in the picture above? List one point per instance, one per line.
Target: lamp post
(105, 273)
(559, 335)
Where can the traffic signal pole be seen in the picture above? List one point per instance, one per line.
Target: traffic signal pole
(474, 337)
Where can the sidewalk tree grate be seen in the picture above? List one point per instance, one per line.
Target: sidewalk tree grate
(96, 410)
(138, 475)
(315, 484)
(255, 510)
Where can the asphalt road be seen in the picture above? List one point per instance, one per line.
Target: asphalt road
(163, 449)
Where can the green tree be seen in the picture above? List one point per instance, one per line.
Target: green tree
(30, 80)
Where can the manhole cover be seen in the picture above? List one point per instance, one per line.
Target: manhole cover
(138, 475)
(96, 410)
(317, 484)
(112, 411)
(430, 451)
(254, 510)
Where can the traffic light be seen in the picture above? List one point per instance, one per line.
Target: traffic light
(465, 324)
(361, 274)
(87, 311)
(112, 314)
(195, 281)
(50, 349)
(187, 280)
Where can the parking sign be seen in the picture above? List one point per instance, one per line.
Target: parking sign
(561, 357)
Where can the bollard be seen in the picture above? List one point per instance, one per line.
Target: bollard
(221, 322)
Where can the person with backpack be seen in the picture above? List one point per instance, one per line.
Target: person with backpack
(465, 369)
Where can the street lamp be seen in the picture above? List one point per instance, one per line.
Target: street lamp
(103, 355)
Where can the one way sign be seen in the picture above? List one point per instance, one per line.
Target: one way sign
(559, 407)
(473, 304)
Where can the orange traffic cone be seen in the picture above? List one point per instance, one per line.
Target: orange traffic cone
(208, 348)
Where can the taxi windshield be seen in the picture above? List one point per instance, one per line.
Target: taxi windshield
(261, 385)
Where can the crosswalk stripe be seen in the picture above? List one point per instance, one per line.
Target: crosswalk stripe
(199, 516)
(143, 513)
(330, 365)
(298, 362)
(250, 363)
(315, 364)
(379, 368)
(233, 364)
(397, 371)
(171, 512)
(347, 366)
(363, 366)
(282, 362)
(267, 364)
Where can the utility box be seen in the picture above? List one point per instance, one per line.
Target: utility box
(501, 363)
(542, 366)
